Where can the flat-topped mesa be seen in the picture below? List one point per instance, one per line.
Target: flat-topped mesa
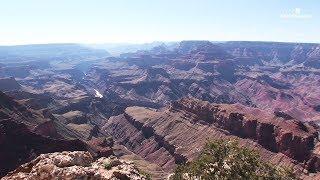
(290, 137)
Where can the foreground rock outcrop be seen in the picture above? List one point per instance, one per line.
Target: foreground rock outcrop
(75, 165)
(26, 133)
(19, 145)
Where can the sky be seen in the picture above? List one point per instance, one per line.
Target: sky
(142, 21)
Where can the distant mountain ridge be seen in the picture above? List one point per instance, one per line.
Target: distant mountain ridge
(280, 52)
(49, 52)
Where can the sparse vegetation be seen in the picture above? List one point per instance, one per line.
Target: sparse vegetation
(107, 166)
(109, 141)
(147, 175)
(226, 160)
(142, 172)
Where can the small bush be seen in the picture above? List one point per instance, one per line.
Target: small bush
(107, 166)
(147, 175)
(226, 160)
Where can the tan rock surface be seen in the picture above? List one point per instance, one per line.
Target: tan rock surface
(75, 165)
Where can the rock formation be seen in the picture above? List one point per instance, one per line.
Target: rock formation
(9, 84)
(158, 106)
(19, 145)
(75, 165)
(177, 134)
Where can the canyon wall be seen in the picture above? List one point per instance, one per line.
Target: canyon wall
(177, 134)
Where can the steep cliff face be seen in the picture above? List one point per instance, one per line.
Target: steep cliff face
(75, 165)
(32, 100)
(292, 138)
(25, 133)
(19, 145)
(12, 109)
(47, 129)
(142, 142)
(178, 133)
(9, 84)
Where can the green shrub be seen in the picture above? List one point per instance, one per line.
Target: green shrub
(107, 166)
(226, 160)
(147, 175)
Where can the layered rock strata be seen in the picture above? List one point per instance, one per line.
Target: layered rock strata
(178, 133)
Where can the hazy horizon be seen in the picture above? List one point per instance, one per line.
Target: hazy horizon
(142, 21)
(151, 42)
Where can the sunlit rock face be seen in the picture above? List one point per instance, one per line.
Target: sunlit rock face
(178, 133)
(75, 165)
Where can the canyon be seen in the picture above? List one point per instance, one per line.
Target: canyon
(158, 107)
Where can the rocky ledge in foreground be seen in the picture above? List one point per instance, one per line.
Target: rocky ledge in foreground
(75, 165)
(19, 145)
